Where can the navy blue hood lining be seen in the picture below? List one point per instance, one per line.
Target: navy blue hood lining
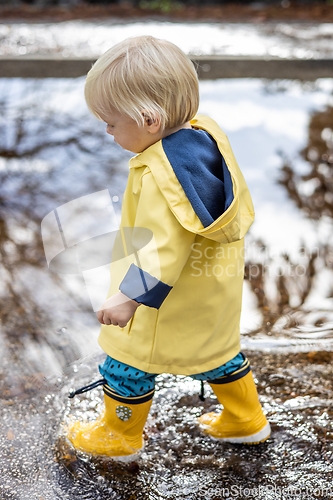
(201, 171)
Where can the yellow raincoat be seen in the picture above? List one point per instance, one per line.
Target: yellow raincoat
(196, 328)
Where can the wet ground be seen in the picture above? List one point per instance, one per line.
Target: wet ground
(53, 152)
(178, 462)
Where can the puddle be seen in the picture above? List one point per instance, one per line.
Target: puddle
(53, 152)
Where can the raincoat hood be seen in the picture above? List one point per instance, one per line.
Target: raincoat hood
(234, 223)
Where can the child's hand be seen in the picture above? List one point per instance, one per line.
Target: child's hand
(117, 310)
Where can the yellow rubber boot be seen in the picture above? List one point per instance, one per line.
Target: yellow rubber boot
(118, 432)
(242, 419)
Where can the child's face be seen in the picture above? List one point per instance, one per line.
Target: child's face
(128, 134)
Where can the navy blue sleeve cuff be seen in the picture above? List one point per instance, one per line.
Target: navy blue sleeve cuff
(144, 288)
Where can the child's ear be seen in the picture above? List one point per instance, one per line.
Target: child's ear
(152, 122)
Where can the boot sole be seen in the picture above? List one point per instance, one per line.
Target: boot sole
(257, 438)
(123, 458)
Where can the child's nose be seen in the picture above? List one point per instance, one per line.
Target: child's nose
(109, 130)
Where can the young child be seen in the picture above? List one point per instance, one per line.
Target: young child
(177, 264)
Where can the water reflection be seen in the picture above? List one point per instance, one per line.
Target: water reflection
(46, 159)
(296, 280)
(312, 192)
(53, 152)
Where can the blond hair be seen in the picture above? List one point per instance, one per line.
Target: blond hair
(144, 74)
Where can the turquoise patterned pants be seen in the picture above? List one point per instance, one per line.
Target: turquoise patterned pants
(131, 382)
